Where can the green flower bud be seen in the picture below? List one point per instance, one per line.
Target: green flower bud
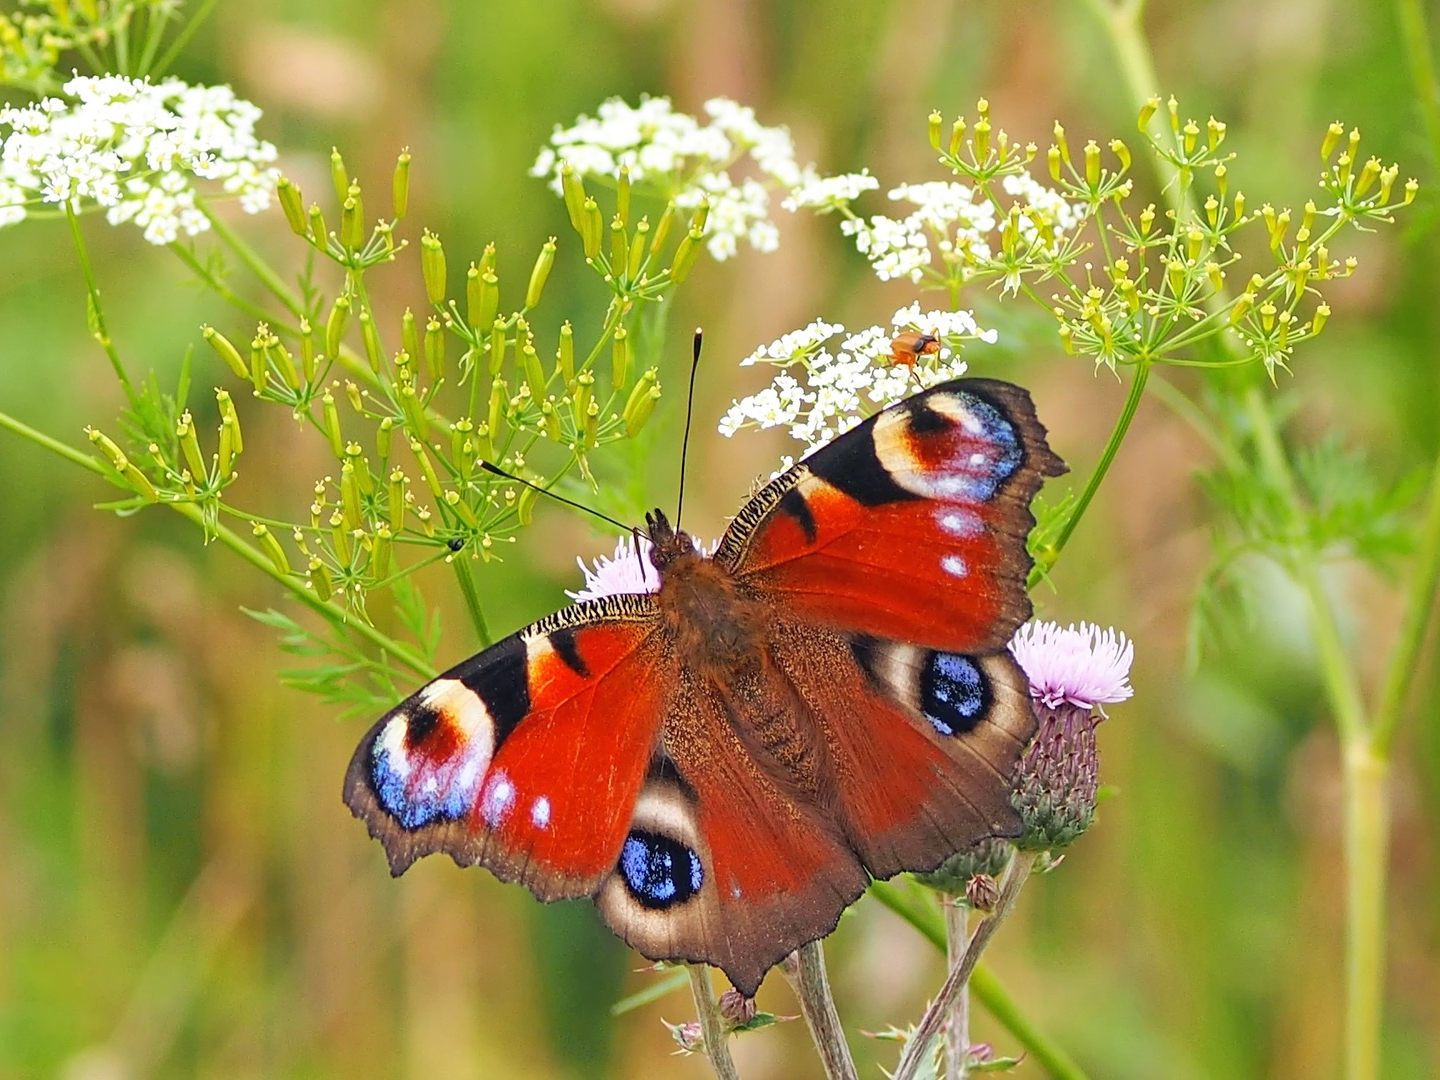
(374, 351)
(320, 579)
(1147, 110)
(951, 877)
(499, 395)
(335, 325)
(1322, 316)
(226, 351)
(685, 255)
(1214, 133)
(565, 353)
(498, 343)
(395, 502)
(1331, 140)
(432, 264)
(641, 403)
(400, 185)
(540, 273)
(619, 246)
(1060, 142)
(957, 134)
(338, 176)
(383, 433)
(935, 122)
(534, 371)
(1092, 164)
(584, 392)
(190, 447)
(352, 220)
(272, 548)
(619, 357)
(1368, 175)
(1122, 154)
(637, 250)
(293, 206)
(1053, 159)
(622, 195)
(981, 139)
(662, 230)
(434, 349)
(331, 424)
(318, 232)
(592, 229)
(573, 189)
(550, 419)
(427, 469)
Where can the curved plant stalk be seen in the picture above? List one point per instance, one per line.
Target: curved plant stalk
(805, 969)
(711, 1028)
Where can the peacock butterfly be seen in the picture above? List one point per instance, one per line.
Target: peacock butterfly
(725, 763)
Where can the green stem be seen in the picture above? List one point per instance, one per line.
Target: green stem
(228, 294)
(985, 986)
(102, 332)
(337, 616)
(251, 258)
(1415, 35)
(202, 12)
(1402, 666)
(957, 1025)
(55, 446)
(461, 563)
(934, 1018)
(1047, 558)
(716, 1048)
(1367, 842)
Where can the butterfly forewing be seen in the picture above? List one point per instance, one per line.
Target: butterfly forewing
(526, 758)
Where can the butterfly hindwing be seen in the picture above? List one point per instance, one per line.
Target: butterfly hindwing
(528, 757)
(911, 526)
(725, 861)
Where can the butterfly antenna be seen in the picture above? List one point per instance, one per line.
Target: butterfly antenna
(495, 469)
(689, 415)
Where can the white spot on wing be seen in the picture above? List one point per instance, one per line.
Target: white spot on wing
(499, 797)
(540, 812)
(954, 565)
(961, 523)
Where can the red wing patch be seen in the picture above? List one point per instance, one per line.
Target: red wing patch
(911, 526)
(527, 758)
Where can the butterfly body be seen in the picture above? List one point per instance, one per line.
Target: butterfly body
(724, 764)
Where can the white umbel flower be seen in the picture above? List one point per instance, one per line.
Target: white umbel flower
(135, 148)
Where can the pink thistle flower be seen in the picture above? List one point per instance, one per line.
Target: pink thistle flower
(629, 570)
(1085, 666)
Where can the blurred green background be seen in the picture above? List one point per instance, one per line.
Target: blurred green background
(182, 892)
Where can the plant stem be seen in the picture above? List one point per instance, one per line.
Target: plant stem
(202, 11)
(934, 1018)
(805, 968)
(258, 266)
(986, 988)
(711, 1028)
(1424, 585)
(461, 563)
(55, 446)
(957, 1026)
(1046, 559)
(1415, 35)
(97, 313)
(1367, 843)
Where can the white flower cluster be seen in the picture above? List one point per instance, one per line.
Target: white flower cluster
(950, 219)
(687, 161)
(816, 192)
(135, 148)
(822, 391)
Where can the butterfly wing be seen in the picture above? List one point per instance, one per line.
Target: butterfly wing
(725, 862)
(894, 559)
(528, 757)
(909, 527)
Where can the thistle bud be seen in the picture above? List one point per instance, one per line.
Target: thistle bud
(400, 185)
(982, 892)
(293, 205)
(226, 351)
(432, 264)
(736, 1010)
(989, 856)
(540, 273)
